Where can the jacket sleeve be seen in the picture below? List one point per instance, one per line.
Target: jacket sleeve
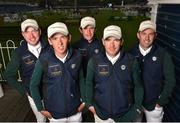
(11, 73)
(138, 88)
(34, 85)
(89, 83)
(169, 80)
(82, 85)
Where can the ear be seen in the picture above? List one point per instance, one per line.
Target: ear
(95, 30)
(69, 37)
(103, 41)
(40, 31)
(122, 41)
(80, 30)
(138, 35)
(49, 40)
(22, 34)
(155, 35)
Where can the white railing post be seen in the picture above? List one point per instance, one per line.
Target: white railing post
(10, 45)
(2, 55)
(1, 89)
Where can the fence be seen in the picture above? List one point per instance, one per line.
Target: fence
(5, 55)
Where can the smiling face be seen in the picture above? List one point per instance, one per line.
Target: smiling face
(32, 35)
(112, 46)
(88, 32)
(60, 44)
(146, 38)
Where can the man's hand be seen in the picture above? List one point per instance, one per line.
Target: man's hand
(46, 114)
(91, 108)
(81, 107)
(26, 94)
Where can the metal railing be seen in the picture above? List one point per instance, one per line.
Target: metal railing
(5, 55)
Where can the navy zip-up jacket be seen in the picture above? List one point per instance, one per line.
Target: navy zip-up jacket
(24, 61)
(113, 85)
(88, 50)
(61, 83)
(157, 74)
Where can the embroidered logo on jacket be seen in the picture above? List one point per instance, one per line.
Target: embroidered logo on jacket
(28, 60)
(103, 69)
(73, 66)
(55, 70)
(83, 52)
(96, 51)
(154, 58)
(123, 67)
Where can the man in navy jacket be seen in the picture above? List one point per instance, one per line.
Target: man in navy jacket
(113, 84)
(60, 68)
(157, 71)
(23, 59)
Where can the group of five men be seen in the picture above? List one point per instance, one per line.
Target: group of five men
(92, 78)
